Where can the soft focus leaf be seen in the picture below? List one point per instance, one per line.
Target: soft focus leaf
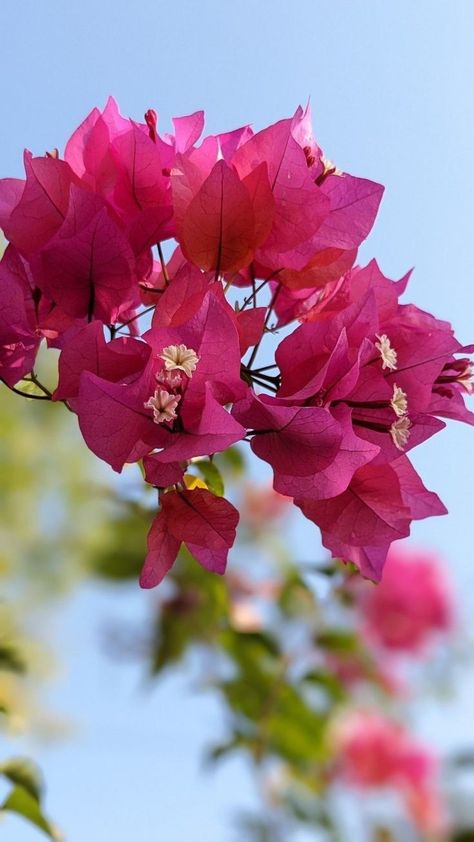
(213, 477)
(338, 640)
(327, 682)
(24, 773)
(22, 802)
(11, 658)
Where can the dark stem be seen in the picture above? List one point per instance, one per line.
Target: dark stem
(260, 432)
(264, 368)
(268, 377)
(134, 318)
(47, 396)
(265, 324)
(364, 404)
(272, 387)
(37, 383)
(253, 296)
(163, 264)
(90, 311)
(26, 394)
(371, 425)
(254, 293)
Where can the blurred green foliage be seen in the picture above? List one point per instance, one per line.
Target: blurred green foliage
(283, 660)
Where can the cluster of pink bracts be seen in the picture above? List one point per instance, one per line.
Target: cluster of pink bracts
(361, 381)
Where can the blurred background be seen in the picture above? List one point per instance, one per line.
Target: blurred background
(99, 681)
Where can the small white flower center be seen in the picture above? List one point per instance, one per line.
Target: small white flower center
(465, 378)
(169, 379)
(399, 401)
(163, 405)
(329, 167)
(388, 354)
(180, 357)
(400, 432)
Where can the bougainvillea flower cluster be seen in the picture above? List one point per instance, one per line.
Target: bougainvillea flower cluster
(378, 752)
(411, 607)
(264, 233)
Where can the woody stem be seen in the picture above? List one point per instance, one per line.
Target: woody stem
(134, 318)
(163, 264)
(265, 324)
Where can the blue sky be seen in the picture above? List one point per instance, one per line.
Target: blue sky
(391, 88)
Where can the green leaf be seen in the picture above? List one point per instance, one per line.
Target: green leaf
(212, 476)
(232, 459)
(338, 640)
(121, 556)
(296, 598)
(29, 387)
(463, 759)
(328, 682)
(21, 802)
(219, 751)
(295, 732)
(11, 659)
(24, 773)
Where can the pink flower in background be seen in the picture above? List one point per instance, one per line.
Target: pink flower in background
(261, 505)
(411, 605)
(376, 752)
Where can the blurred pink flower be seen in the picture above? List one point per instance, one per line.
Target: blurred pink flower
(261, 505)
(375, 751)
(412, 603)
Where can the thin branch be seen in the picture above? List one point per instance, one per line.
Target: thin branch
(25, 394)
(249, 298)
(264, 368)
(163, 264)
(134, 318)
(265, 324)
(34, 379)
(255, 290)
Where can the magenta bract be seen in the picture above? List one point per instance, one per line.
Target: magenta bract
(158, 354)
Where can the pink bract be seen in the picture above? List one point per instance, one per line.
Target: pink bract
(202, 521)
(159, 340)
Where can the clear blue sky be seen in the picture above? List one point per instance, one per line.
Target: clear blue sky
(392, 93)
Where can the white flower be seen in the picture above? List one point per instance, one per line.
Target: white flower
(465, 378)
(399, 401)
(163, 405)
(329, 167)
(169, 379)
(400, 432)
(180, 357)
(388, 354)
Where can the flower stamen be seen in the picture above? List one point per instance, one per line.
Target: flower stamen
(388, 354)
(400, 432)
(163, 405)
(180, 357)
(399, 401)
